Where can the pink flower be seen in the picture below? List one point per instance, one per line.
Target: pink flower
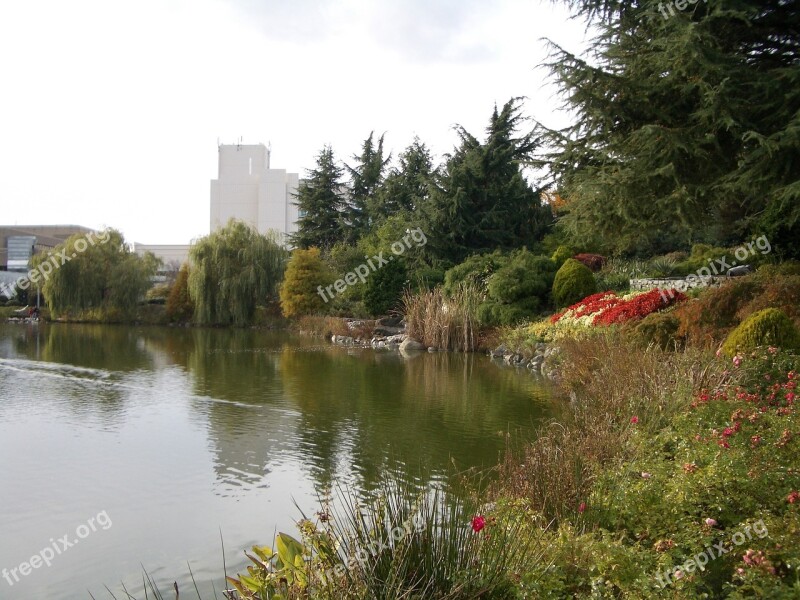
(737, 360)
(793, 497)
(582, 507)
(678, 574)
(634, 420)
(478, 523)
(646, 475)
(711, 522)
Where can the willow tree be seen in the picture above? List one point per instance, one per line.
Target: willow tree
(234, 270)
(93, 272)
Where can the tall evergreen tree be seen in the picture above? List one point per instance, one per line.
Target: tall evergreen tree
(687, 125)
(481, 201)
(407, 186)
(321, 205)
(366, 176)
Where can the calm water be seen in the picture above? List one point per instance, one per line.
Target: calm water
(165, 437)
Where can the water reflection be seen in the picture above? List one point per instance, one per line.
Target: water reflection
(180, 432)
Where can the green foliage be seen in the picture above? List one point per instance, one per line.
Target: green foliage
(102, 275)
(519, 289)
(644, 173)
(366, 178)
(305, 273)
(275, 574)
(769, 327)
(384, 288)
(514, 287)
(573, 282)
(180, 307)
(476, 270)
(320, 204)
(661, 329)
(561, 254)
(407, 186)
(481, 201)
(234, 269)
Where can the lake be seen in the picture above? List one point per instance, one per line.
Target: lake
(129, 447)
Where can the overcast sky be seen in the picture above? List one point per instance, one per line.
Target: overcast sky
(110, 111)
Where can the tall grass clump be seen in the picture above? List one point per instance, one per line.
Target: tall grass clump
(445, 322)
(402, 541)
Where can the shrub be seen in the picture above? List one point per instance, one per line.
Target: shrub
(304, 274)
(384, 288)
(573, 282)
(595, 262)
(769, 327)
(475, 270)
(180, 307)
(660, 329)
(512, 287)
(707, 320)
(524, 277)
(561, 254)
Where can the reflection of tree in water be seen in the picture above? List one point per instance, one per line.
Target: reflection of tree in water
(427, 413)
(105, 347)
(238, 390)
(84, 366)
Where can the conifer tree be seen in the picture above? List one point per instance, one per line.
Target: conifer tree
(687, 125)
(366, 177)
(407, 186)
(481, 201)
(320, 203)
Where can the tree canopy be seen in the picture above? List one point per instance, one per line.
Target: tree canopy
(321, 204)
(234, 269)
(95, 272)
(481, 200)
(687, 126)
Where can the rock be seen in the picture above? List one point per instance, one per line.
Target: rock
(386, 330)
(739, 271)
(408, 346)
(431, 349)
(392, 322)
(498, 352)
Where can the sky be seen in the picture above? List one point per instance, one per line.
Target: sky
(111, 111)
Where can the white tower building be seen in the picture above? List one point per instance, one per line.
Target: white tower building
(247, 189)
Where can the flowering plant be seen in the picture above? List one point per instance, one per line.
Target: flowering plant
(606, 308)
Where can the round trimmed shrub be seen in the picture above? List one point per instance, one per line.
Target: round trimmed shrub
(768, 327)
(574, 282)
(660, 329)
(561, 254)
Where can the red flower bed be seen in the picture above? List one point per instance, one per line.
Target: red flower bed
(609, 308)
(638, 307)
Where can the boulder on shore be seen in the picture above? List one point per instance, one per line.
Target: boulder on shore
(408, 346)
